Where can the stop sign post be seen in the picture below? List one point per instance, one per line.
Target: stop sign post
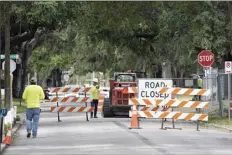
(228, 71)
(206, 58)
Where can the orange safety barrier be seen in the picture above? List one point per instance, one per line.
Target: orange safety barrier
(171, 103)
(160, 109)
(74, 98)
(173, 91)
(69, 90)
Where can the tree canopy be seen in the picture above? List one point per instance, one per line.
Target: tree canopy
(115, 36)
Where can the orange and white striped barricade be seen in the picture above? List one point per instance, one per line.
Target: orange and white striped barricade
(143, 105)
(69, 90)
(147, 104)
(173, 91)
(191, 92)
(185, 91)
(68, 99)
(173, 103)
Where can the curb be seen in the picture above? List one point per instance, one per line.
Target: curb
(214, 126)
(14, 130)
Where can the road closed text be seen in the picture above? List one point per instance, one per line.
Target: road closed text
(148, 88)
(153, 94)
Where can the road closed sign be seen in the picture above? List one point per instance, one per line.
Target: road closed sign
(148, 88)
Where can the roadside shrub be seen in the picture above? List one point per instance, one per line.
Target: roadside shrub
(6, 127)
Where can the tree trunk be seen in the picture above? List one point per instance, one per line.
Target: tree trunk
(181, 78)
(150, 70)
(40, 80)
(58, 77)
(175, 72)
(53, 78)
(17, 82)
(166, 70)
(1, 68)
(104, 78)
(24, 65)
(8, 103)
(230, 19)
(26, 50)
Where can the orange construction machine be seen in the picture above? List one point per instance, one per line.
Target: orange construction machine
(117, 103)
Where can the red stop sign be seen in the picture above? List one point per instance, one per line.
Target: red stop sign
(206, 58)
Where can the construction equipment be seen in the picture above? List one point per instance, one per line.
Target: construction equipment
(117, 103)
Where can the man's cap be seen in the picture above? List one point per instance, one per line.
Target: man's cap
(95, 80)
(33, 79)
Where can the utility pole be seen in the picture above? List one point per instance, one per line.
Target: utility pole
(1, 119)
(7, 100)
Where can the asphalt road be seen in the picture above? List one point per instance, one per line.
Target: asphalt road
(101, 136)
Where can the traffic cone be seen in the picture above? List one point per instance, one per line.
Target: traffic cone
(7, 139)
(134, 119)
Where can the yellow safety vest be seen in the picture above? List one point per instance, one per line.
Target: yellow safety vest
(95, 93)
(199, 83)
(32, 95)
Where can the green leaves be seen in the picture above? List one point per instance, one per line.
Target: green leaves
(115, 36)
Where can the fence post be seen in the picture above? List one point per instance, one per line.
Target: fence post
(217, 88)
(229, 90)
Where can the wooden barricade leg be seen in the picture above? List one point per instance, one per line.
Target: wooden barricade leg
(87, 118)
(198, 122)
(163, 120)
(162, 124)
(86, 105)
(173, 125)
(57, 104)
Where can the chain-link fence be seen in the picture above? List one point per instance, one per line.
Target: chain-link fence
(210, 82)
(217, 82)
(224, 97)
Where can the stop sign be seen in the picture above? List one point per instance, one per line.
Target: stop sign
(206, 58)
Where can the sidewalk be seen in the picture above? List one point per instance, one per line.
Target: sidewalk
(14, 131)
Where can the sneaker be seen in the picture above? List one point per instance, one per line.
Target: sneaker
(28, 135)
(34, 136)
(91, 116)
(95, 117)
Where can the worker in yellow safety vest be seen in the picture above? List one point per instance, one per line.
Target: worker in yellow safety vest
(94, 94)
(32, 95)
(199, 84)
